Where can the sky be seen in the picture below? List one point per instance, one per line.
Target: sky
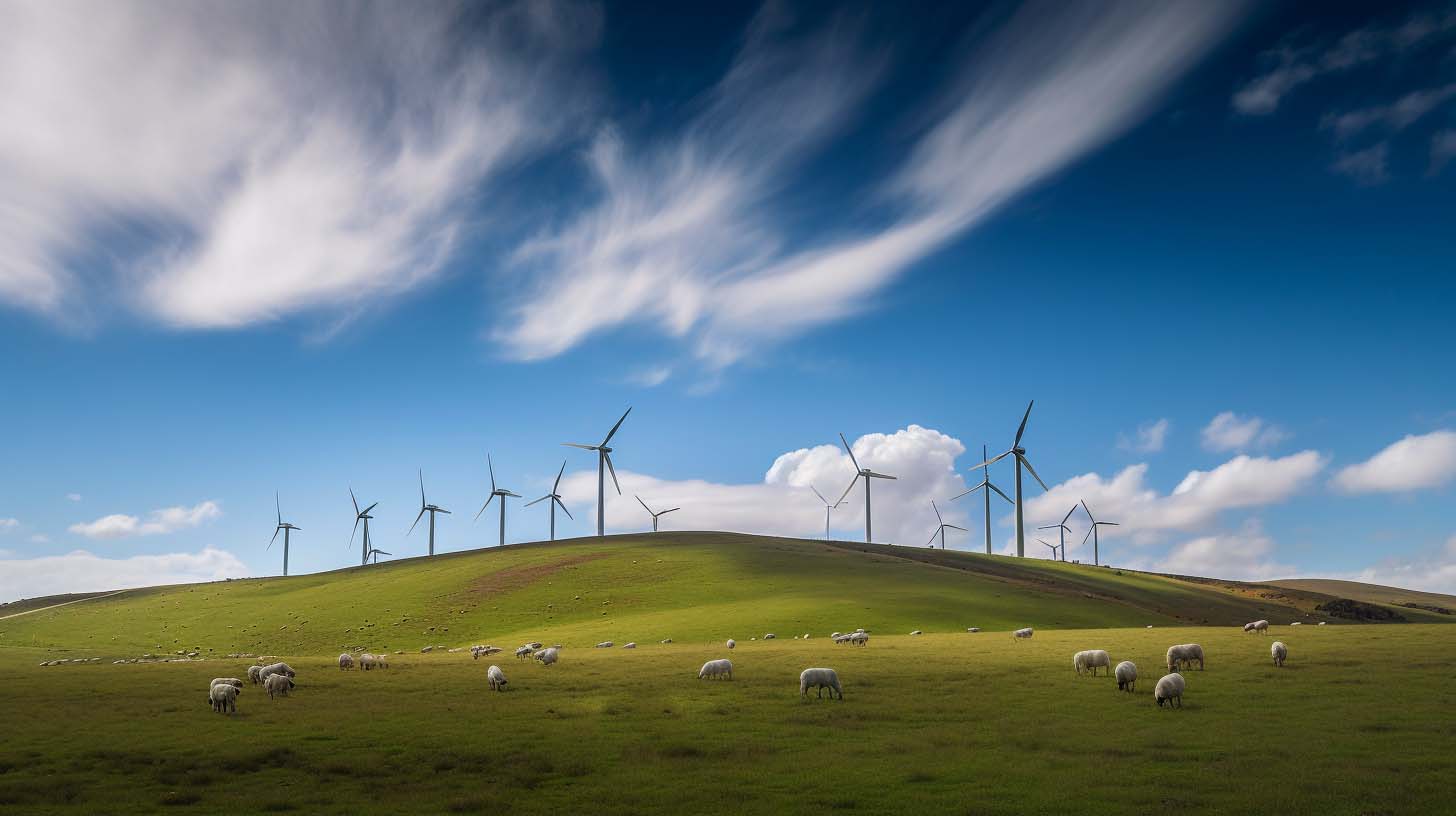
(249, 249)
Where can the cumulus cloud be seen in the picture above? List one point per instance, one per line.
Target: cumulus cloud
(689, 238)
(1230, 432)
(1148, 438)
(323, 161)
(157, 522)
(923, 459)
(81, 571)
(1246, 555)
(1411, 463)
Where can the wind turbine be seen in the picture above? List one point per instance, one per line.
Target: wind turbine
(604, 463)
(1053, 548)
(376, 553)
(940, 531)
(427, 508)
(827, 508)
(494, 492)
(1092, 533)
(1064, 530)
(986, 485)
(555, 498)
(286, 528)
(867, 474)
(1021, 461)
(361, 515)
(655, 516)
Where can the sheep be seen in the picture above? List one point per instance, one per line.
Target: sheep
(1126, 674)
(716, 669)
(769, 636)
(346, 661)
(806, 636)
(1249, 627)
(821, 679)
(1089, 661)
(665, 640)
(278, 684)
(253, 674)
(916, 632)
(275, 668)
(231, 681)
(731, 643)
(535, 644)
(1169, 690)
(1279, 652)
(1321, 623)
(548, 656)
(368, 661)
(1022, 634)
(527, 651)
(1297, 623)
(381, 660)
(631, 645)
(974, 629)
(835, 634)
(1261, 626)
(495, 678)
(842, 639)
(859, 638)
(223, 697)
(606, 644)
(860, 632)
(1184, 655)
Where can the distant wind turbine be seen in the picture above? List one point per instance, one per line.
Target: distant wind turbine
(866, 474)
(495, 492)
(285, 527)
(604, 464)
(827, 509)
(655, 515)
(940, 531)
(361, 515)
(1021, 461)
(1053, 549)
(374, 554)
(427, 508)
(1064, 529)
(555, 497)
(1092, 533)
(986, 486)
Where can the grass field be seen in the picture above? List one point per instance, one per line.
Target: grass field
(947, 722)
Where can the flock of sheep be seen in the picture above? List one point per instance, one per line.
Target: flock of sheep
(278, 678)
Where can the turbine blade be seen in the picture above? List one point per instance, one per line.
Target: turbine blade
(968, 492)
(993, 460)
(556, 488)
(356, 530)
(370, 507)
(417, 521)
(644, 505)
(613, 431)
(999, 493)
(1022, 429)
(665, 512)
(491, 465)
(613, 471)
(578, 445)
(443, 510)
(1069, 514)
(937, 511)
(879, 475)
(953, 527)
(1032, 471)
(356, 501)
(533, 501)
(490, 499)
(850, 452)
(512, 495)
(422, 488)
(847, 489)
(933, 535)
(274, 538)
(1089, 534)
(817, 493)
(1109, 524)
(1089, 511)
(562, 505)
(277, 504)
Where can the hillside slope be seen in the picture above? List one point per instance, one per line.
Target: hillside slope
(686, 586)
(1419, 607)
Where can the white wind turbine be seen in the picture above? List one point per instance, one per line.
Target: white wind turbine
(986, 486)
(1021, 461)
(866, 474)
(655, 514)
(604, 464)
(555, 497)
(1092, 533)
(1064, 529)
(940, 531)
(827, 509)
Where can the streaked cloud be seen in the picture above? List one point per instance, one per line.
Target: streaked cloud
(157, 522)
(1414, 462)
(1148, 438)
(82, 571)
(74, 497)
(1396, 116)
(8, 524)
(1232, 432)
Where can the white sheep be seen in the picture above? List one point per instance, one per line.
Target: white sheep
(223, 697)
(916, 632)
(860, 638)
(716, 669)
(1022, 634)
(821, 679)
(631, 645)
(665, 640)
(278, 684)
(1261, 626)
(231, 681)
(974, 629)
(606, 644)
(1297, 623)
(859, 631)
(346, 661)
(495, 678)
(548, 656)
(1126, 674)
(731, 643)
(835, 634)
(841, 639)
(253, 674)
(1249, 627)
(368, 661)
(1321, 623)
(381, 660)
(527, 651)
(535, 644)
(806, 636)
(769, 636)
(275, 668)
(1169, 690)
(1090, 659)
(1279, 652)
(1183, 655)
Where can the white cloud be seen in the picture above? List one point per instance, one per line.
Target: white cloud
(81, 571)
(1430, 571)
(1411, 463)
(650, 377)
(1148, 438)
(40, 538)
(158, 522)
(1246, 555)
(1230, 432)
(325, 160)
(75, 497)
(782, 504)
(1366, 167)
(7, 524)
(688, 238)
(1398, 115)
(1443, 150)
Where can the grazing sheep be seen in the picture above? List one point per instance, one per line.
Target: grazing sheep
(841, 639)
(548, 656)
(860, 632)
(665, 640)
(1321, 623)
(1279, 652)
(495, 678)
(716, 669)
(1261, 626)
(731, 643)
(253, 674)
(631, 645)
(835, 634)
(1169, 690)
(769, 636)
(1089, 661)
(381, 660)
(806, 636)
(1183, 655)
(223, 697)
(1297, 623)
(275, 668)
(278, 685)
(231, 681)
(1126, 673)
(527, 651)
(821, 679)
(1022, 634)
(916, 632)
(1249, 627)
(535, 644)
(606, 644)
(368, 661)
(974, 629)
(860, 638)
(346, 661)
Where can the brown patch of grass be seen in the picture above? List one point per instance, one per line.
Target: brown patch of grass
(513, 578)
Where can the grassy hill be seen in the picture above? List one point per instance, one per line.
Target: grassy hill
(687, 586)
(1423, 607)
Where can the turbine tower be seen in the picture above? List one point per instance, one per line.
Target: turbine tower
(1053, 548)
(555, 498)
(376, 553)
(427, 508)
(1064, 530)
(361, 515)
(1092, 533)
(1021, 461)
(494, 492)
(940, 531)
(286, 528)
(988, 487)
(827, 509)
(604, 463)
(867, 474)
(655, 516)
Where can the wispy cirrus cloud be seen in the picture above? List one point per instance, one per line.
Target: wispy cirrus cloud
(686, 239)
(1148, 438)
(1397, 115)
(157, 522)
(1231, 432)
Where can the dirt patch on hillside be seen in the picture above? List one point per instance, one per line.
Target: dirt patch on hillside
(514, 578)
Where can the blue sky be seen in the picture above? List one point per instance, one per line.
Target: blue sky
(322, 250)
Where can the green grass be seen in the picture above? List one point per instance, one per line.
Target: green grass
(948, 722)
